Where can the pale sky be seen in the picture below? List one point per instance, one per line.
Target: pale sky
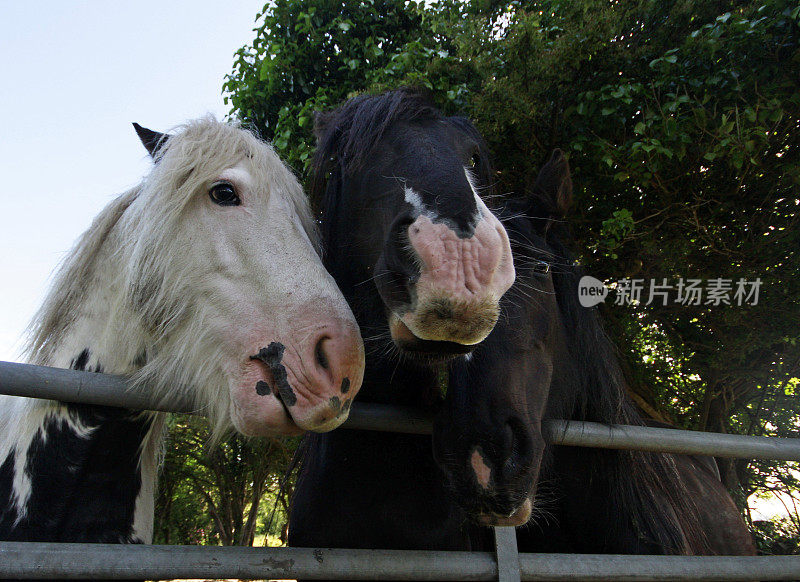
(73, 76)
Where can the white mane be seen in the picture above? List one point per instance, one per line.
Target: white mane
(147, 331)
(70, 284)
(177, 283)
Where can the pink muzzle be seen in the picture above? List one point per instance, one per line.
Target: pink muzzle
(457, 295)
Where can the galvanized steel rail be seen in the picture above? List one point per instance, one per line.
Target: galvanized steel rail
(103, 389)
(78, 561)
(84, 561)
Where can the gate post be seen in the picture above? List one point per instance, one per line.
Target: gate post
(505, 543)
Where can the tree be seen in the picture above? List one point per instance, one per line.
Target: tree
(231, 481)
(682, 120)
(310, 55)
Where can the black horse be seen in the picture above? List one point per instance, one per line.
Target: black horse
(549, 358)
(423, 264)
(546, 356)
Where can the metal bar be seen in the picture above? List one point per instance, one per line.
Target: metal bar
(81, 387)
(34, 560)
(668, 440)
(102, 389)
(505, 545)
(601, 567)
(387, 418)
(49, 383)
(76, 561)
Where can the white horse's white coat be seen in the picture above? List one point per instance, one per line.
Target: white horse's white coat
(178, 292)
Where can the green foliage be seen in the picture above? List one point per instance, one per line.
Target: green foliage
(310, 55)
(776, 537)
(682, 120)
(684, 116)
(222, 495)
(616, 229)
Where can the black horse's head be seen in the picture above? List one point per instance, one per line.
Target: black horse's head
(399, 187)
(487, 437)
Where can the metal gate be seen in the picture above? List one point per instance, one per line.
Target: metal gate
(35, 560)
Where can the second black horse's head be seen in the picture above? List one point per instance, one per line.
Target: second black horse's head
(488, 435)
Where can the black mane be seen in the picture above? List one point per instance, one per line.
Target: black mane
(644, 487)
(352, 131)
(348, 135)
(599, 388)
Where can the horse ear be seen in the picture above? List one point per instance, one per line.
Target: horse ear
(321, 123)
(552, 191)
(152, 140)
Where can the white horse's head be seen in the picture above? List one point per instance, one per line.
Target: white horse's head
(223, 274)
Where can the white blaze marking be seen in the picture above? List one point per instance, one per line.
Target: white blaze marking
(483, 473)
(482, 209)
(415, 200)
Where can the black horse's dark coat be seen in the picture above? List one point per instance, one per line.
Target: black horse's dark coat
(548, 357)
(389, 490)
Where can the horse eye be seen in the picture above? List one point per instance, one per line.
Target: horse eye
(541, 268)
(224, 194)
(475, 160)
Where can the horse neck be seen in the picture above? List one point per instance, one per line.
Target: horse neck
(101, 333)
(607, 501)
(80, 448)
(637, 499)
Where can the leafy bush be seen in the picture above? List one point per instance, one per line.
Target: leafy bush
(682, 121)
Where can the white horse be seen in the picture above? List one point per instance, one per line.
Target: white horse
(179, 283)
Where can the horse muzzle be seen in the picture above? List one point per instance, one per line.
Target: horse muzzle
(519, 516)
(491, 468)
(303, 385)
(442, 285)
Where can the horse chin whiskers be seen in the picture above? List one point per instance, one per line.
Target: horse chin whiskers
(425, 359)
(541, 515)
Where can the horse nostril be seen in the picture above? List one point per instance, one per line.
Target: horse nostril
(518, 446)
(508, 437)
(321, 356)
